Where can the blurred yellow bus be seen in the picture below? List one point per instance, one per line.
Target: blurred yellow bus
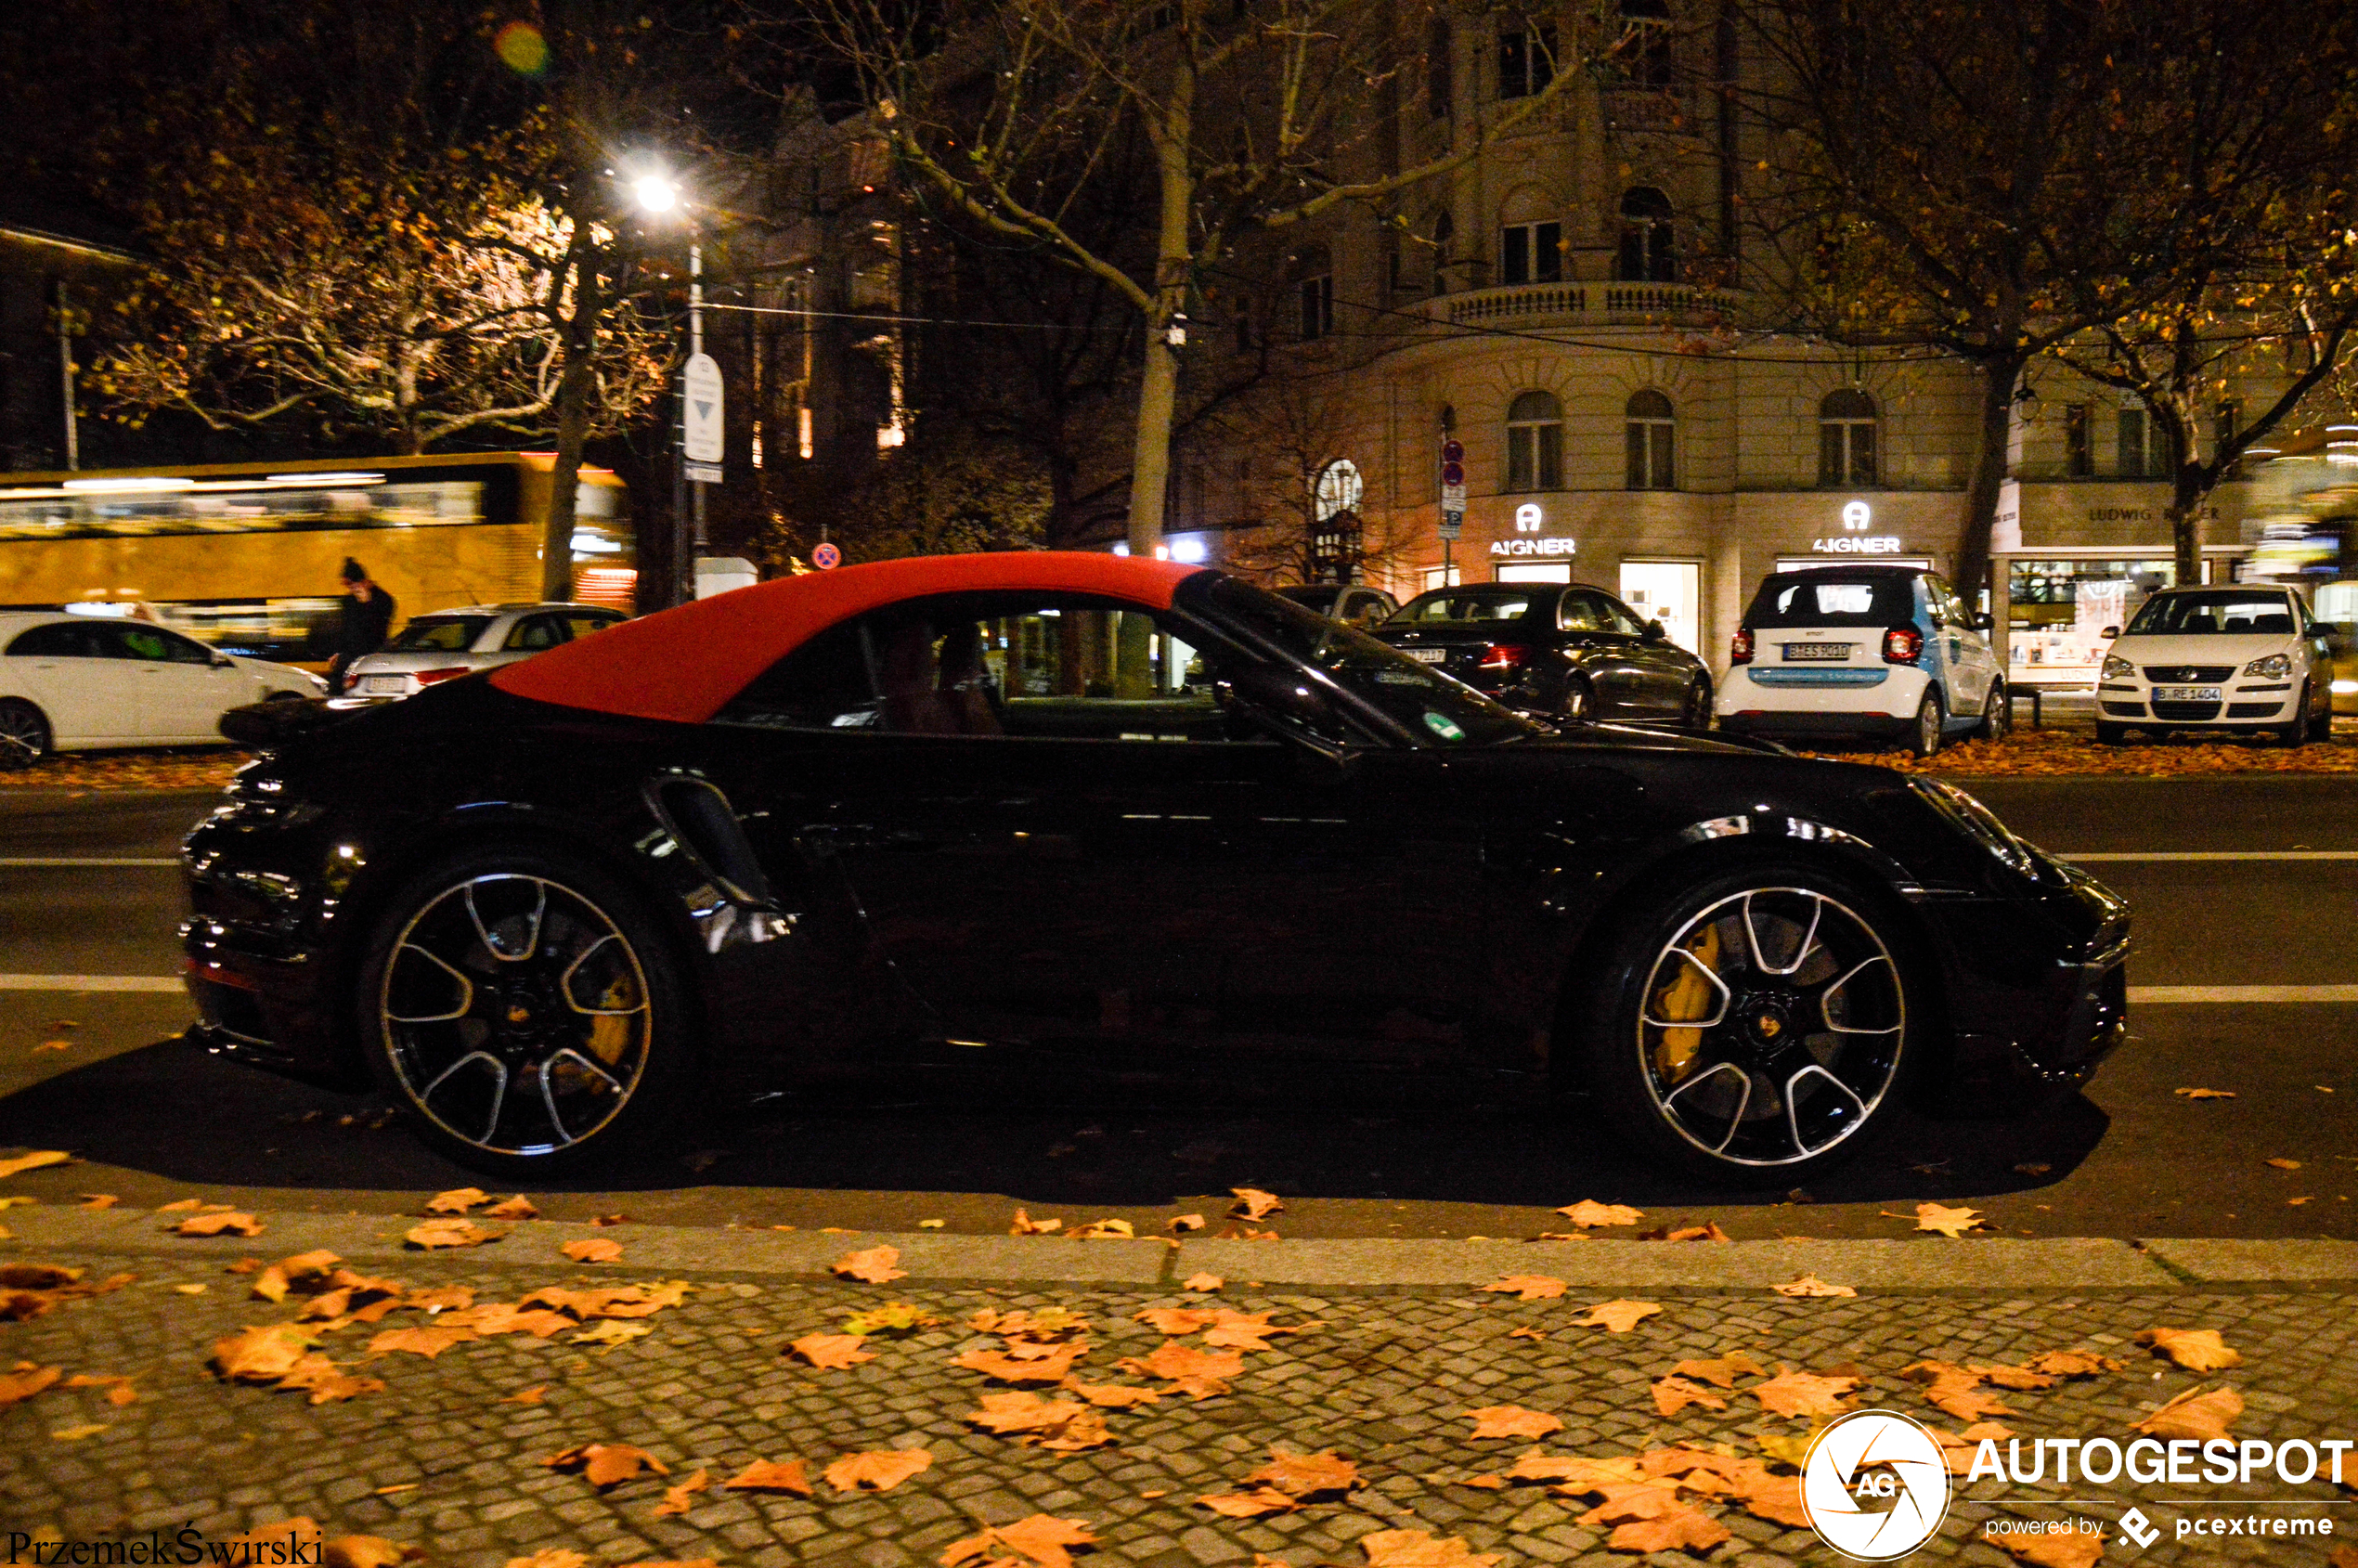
(245, 556)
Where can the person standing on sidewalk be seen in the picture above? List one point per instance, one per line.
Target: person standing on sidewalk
(365, 620)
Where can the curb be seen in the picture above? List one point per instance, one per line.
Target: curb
(1995, 1264)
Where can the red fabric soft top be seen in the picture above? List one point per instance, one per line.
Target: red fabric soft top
(684, 664)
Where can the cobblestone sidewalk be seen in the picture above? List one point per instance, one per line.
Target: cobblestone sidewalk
(438, 1460)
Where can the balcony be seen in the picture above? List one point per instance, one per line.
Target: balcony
(1585, 305)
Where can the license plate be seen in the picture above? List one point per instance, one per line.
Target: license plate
(1429, 656)
(1795, 652)
(384, 682)
(2188, 694)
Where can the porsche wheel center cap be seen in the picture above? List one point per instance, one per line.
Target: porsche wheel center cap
(1767, 1023)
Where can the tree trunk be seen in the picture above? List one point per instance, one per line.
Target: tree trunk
(576, 384)
(1158, 387)
(1971, 566)
(2187, 494)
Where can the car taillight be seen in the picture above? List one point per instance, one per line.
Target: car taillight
(1902, 644)
(1503, 658)
(431, 677)
(1740, 647)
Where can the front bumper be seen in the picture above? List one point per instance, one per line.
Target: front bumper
(2042, 984)
(2252, 704)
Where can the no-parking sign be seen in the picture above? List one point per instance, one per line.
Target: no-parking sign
(827, 558)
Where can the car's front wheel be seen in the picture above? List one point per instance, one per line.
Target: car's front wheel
(1697, 715)
(522, 1008)
(1997, 713)
(1754, 1025)
(1580, 702)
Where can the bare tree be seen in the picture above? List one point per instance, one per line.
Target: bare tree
(1254, 118)
(2001, 178)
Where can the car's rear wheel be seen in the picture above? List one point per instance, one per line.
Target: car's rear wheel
(1698, 711)
(24, 733)
(526, 1012)
(1753, 1025)
(1923, 734)
(1997, 713)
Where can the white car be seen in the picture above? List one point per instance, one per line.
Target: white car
(1878, 653)
(2249, 659)
(445, 644)
(80, 682)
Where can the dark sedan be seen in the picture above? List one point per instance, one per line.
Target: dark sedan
(1558, 649)
(1122, 817)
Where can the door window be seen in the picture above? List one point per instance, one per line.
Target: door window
(580, 623)
(142, 642)
(59, 640)
(535, 632)
(1578, 612)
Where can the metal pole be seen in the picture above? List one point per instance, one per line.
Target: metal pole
(683, 570)
(695, 346)
(65, 372)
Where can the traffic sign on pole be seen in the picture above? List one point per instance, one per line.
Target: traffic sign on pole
(826, 557)
(701, 438)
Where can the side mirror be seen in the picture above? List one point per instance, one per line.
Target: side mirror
(223, 661)
(1654, 632)
(2109, 633)
(1288, 703)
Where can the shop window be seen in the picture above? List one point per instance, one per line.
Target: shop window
(2079, 457)
(1651, 425)
(1526, 58)
(1645, 50)
(2140, 450)
(1531, 252)
(1535, 443)
(1440, 69)
(1847, 439)
(1648, 241)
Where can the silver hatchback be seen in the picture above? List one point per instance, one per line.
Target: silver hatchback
(445, 644)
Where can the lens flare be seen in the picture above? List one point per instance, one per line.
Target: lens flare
(522, 47)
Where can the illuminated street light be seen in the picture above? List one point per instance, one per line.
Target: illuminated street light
(656, 193)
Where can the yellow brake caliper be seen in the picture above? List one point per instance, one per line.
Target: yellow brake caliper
(1688, 996)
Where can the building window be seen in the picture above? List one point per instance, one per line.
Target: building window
(2140, 453)
(1335, 550)
(1649, 248)
(1645, 50)
(1651, 425)
(2226, 423)
(1535, 443)
(1317, 305)
(1846, 438)
(1526, 58)
(1531, 252)
(1439, 69)
(2079, 454)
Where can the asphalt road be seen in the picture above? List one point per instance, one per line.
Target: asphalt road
(157, 1120)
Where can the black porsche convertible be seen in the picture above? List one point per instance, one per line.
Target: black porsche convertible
(1124, 815)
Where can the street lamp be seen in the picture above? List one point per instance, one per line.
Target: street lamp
(657, 194)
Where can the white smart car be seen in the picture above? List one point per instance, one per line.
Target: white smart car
(76, 682)
(2249, 659)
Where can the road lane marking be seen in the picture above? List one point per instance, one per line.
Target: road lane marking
(2149, 995)
(2216, 855)
(49, 860)
(92, 982)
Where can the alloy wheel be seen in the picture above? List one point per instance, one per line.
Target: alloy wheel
(24, 738)
(515, 1014)
(1772, 1026)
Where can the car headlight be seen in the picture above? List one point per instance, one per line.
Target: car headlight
(2118, 668)
(1980, 823)
(2275, 667)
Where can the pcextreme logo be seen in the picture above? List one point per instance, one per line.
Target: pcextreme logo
(1874, 1486)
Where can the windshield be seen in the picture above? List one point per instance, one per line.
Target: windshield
(1462, 608)
(2223, 611)
(1831, 599)
(445, 634)
(1443, 711)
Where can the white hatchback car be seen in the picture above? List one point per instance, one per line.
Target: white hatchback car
(76, 682)
(2248, 659)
